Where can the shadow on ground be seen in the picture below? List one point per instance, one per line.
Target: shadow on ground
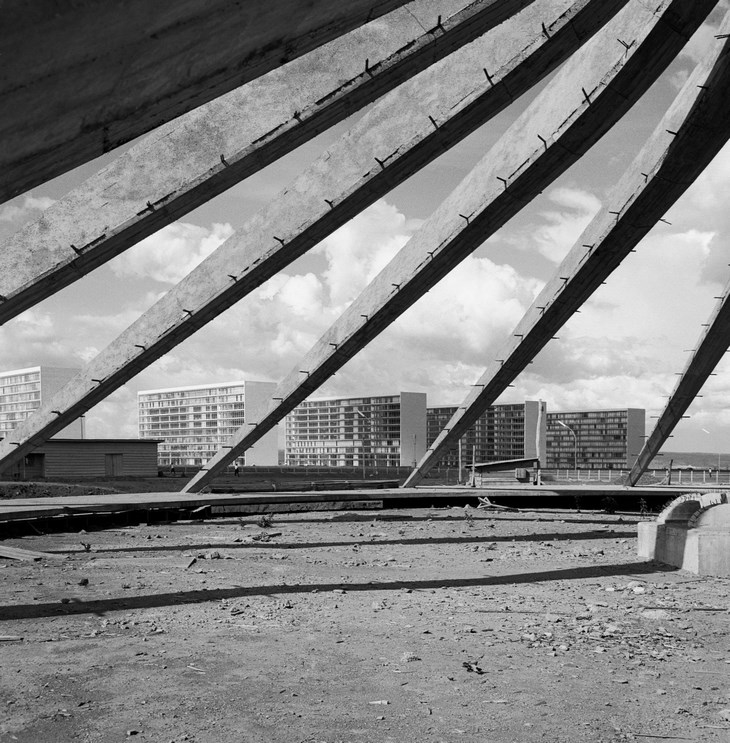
(102, 606)
(364, 541)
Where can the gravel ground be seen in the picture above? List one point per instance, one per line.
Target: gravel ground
(419, 625)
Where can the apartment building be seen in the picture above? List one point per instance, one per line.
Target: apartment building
(193, 423)
(502, 432)
(595, 439)
(368, 432)
(23, 391)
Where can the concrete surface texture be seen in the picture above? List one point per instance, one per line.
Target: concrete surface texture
(198, 155)
(592, 91)
(393, 140)
(71, 90)
(692, 533)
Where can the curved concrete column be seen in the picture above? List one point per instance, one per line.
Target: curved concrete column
(693, 131)
(80, 78)
(400, 134)
(692, 533)
(199, 155)
(590, 93)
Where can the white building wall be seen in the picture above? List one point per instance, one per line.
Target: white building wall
(635, 430)
(265, 452)
(23, 391)
(195, 421)
(536, 430)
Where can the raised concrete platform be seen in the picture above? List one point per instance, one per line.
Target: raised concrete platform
(41, 508)
(692, 533)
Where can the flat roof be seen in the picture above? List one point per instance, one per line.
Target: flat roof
(204, 386)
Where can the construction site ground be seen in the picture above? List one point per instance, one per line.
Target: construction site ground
(446, 624)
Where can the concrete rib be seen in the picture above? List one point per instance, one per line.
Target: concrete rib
(408, 128)
(80, 78)
(591, 92)
(201, 154)
(693, 131)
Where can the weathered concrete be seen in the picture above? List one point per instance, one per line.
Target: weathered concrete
(17, 509)
(692, 533)
(712, 346)
(690, 135)
(591, 92)
(400, 134)
(81, 78)
(199, 155)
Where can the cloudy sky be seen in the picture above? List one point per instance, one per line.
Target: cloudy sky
(623, 349)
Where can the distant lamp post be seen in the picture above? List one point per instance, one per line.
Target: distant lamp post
(718, 457)
(575, 445)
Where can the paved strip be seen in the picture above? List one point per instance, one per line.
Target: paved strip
(35, 508)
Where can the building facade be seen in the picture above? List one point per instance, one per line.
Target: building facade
(595, 439)
(75, 458)
(23, 391)
(193, 423)
(503, 432)
(368, 432)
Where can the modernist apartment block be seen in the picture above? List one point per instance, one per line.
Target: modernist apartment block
(192, 423)
(595, 439)
(22, 391)
(503, 432)
(368, 432)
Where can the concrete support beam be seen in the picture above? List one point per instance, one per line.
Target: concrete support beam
(711, 347)
(692, 533)
(80, 78)
(590, 93)
(201, 154)
(400, 134)
(692, 132)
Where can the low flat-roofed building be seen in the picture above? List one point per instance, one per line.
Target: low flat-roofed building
(369, 432)
(502, 432)
(194, 422)
(23, 391)
(595, 439)
(80, 458)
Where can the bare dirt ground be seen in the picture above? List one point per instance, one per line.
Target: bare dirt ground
(422, 625)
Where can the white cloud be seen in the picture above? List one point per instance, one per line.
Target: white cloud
(359, 250)
(170, 254)
(553, 231)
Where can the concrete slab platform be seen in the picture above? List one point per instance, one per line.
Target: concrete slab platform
(41, 508)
